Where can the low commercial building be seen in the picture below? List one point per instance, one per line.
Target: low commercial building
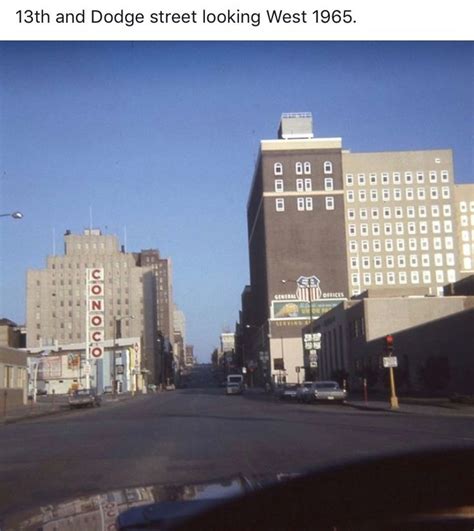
(433, 338)
(13, 379)
(60, 369)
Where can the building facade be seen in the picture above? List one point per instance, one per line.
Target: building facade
(464, 213)
(325, 224)
(134, 290)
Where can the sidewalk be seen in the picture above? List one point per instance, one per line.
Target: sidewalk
(45, 407)
(416, 406)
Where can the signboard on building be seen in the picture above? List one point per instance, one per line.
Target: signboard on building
(301, 309)
(95, 311)
(50, 368)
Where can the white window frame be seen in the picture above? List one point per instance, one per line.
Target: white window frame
(278, 168)
(299, 185)
(299, 168)
(309, 203)
(279, 185)
(308, 185)
(300, 205)
(307, 168)
(349, 179)
(327, 167)
(280, 204)
(330, 203)
(329, 184)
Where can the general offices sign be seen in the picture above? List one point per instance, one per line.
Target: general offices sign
(301, 309)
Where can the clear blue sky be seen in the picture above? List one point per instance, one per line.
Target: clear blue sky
(161, 138)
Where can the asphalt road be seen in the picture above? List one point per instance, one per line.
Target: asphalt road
(197, 434)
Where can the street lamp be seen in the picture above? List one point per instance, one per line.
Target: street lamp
(14, 215)
(117, 334)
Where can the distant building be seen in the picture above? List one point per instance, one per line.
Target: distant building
(13, 378)
(189, 360)
(11, 335)
(464, 212)
(137, 296)
(325, 224)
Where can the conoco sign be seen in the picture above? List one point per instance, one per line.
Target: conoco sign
(95, 312)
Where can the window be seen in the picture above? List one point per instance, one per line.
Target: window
(433, 177)
(449, 259)
(451, 273)
(349, 179)
(425, 260)
(411, 212)
(386, 194)
(354, 262)
(384, 178)
(378, 278)
(386, 213)
(350, 196)
(408, 177)
(308, 185)
(423, 227)
(351, 213)
(415, 277)
(374, 196)
(389, 245)
(299, 185)
(399, 228)
(329, 203)
(420, 177)
(402, 277)
(309, 203)
(409, 194)
(396, 178)
(365, 262)
(353, 246)
(463, 206)
(278, 185)
(363, 213)
(375, 213)
(373, 178)
(438, 260)
(278, 168)
(400, 245)
(422, 211)
(280, 205)
(420, 192)
(437, 245)
(444, 176)
(413, 260)
(448, 242)
(362, 196)
(367, 279)
(299, 168)
(364, 229)
(401, 262)
(434, 193)
(328, 168)
(436, 227)
(448, 226)
(399, 212)
(352, 230)
(328, 184)
(391, 277)
(375, 229)
(300, 203)
(397, 194)
(355, 278)
(447, 211)
(411, 227)
(361, 179)
(426, 277)
(412, 245)
(378, 262)
(387, 228)
(439, 276)
(307, 168)
(445, 192)
(365, 246)
(389, 261)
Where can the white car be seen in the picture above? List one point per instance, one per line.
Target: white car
(325, 392)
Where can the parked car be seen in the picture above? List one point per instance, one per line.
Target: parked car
(303, 390)
(84, 398)
(108, 389)
(288, 392)
(325, 391)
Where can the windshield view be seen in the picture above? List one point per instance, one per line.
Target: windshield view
(237, 285)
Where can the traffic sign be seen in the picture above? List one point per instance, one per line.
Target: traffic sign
(390, 361)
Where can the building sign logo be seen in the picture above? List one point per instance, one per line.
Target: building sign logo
(95, 312)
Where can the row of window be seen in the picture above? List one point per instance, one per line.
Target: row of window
(466, 237)
(408, 178)
(413, 260)
(413, 244)
(465, 221)
(303, 203)
(303, 168)
(400, 212)
(399, 228)
(463, 206)
(414, 277)
(78, 265)
(397, 194)
(305, 185)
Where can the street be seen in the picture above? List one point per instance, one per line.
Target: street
(197, 434)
